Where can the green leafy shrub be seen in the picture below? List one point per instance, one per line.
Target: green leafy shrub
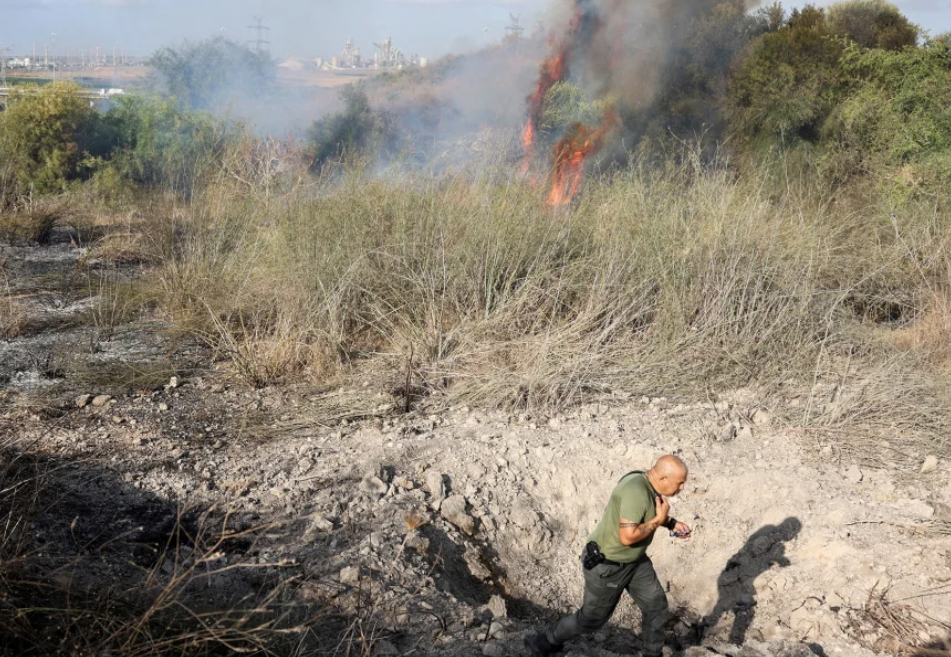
(158, 143)
(788, 83)
(897, 121)
(872, 24)
(792, 80)
(47, 133)
(358, 130)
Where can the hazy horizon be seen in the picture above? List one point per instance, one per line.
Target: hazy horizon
(316, 29)
(429, 28)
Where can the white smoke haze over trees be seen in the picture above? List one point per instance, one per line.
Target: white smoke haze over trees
(629, 59)
(304, 28)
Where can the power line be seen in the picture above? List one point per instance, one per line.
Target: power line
(3, 65)
(514, 29)
(259, 27)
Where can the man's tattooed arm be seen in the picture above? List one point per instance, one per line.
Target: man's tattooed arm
(635, 532)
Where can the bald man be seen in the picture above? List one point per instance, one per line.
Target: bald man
(615, 560)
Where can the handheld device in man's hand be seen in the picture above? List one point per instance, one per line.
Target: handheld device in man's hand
(679, 534)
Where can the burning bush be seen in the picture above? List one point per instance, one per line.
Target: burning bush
(565, 105)
(653, 72)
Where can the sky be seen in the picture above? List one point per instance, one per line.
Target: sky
(303, 28)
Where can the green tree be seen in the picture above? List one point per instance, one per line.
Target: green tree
(210, 74)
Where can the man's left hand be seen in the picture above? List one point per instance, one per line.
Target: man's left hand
(682, 530)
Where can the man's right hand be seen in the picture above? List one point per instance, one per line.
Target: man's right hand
(662, 508)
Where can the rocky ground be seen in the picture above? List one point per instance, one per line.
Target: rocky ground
(456, 532)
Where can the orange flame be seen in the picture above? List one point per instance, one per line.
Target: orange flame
(580, 142)
(528, 140)
(571, 153)
(553, 69)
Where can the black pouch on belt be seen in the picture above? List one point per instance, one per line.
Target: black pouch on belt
(592, 556)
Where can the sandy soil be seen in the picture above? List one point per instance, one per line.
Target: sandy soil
(464, 526)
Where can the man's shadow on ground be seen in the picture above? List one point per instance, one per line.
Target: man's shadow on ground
(941, 648)
(762, 551)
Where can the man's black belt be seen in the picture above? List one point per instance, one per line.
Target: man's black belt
(593, 557)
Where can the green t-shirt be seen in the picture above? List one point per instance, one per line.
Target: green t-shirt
(633, 500)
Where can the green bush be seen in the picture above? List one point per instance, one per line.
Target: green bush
(46, 135)
(357, 131)
(897, 121)
(788, 83)
(157, 143)
(210, 74)
(872, 24)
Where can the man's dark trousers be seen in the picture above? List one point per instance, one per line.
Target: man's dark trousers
(603, 586)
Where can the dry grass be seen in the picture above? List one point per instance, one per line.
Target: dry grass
(13, 317)
(897, 627)
(671, 280)
(35, 218)
(183, 604)
(930, 334)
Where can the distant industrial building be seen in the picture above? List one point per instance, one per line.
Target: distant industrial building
(20, 62)
(385, 57)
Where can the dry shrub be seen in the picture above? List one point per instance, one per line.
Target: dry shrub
(117, 298)
(35, 218)
(21, 483)
(930, 334)
(897, 627)
(671, 280)
(34, 224)
(414, 519)
(261, 354)
(884, 410)
(118, 248)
